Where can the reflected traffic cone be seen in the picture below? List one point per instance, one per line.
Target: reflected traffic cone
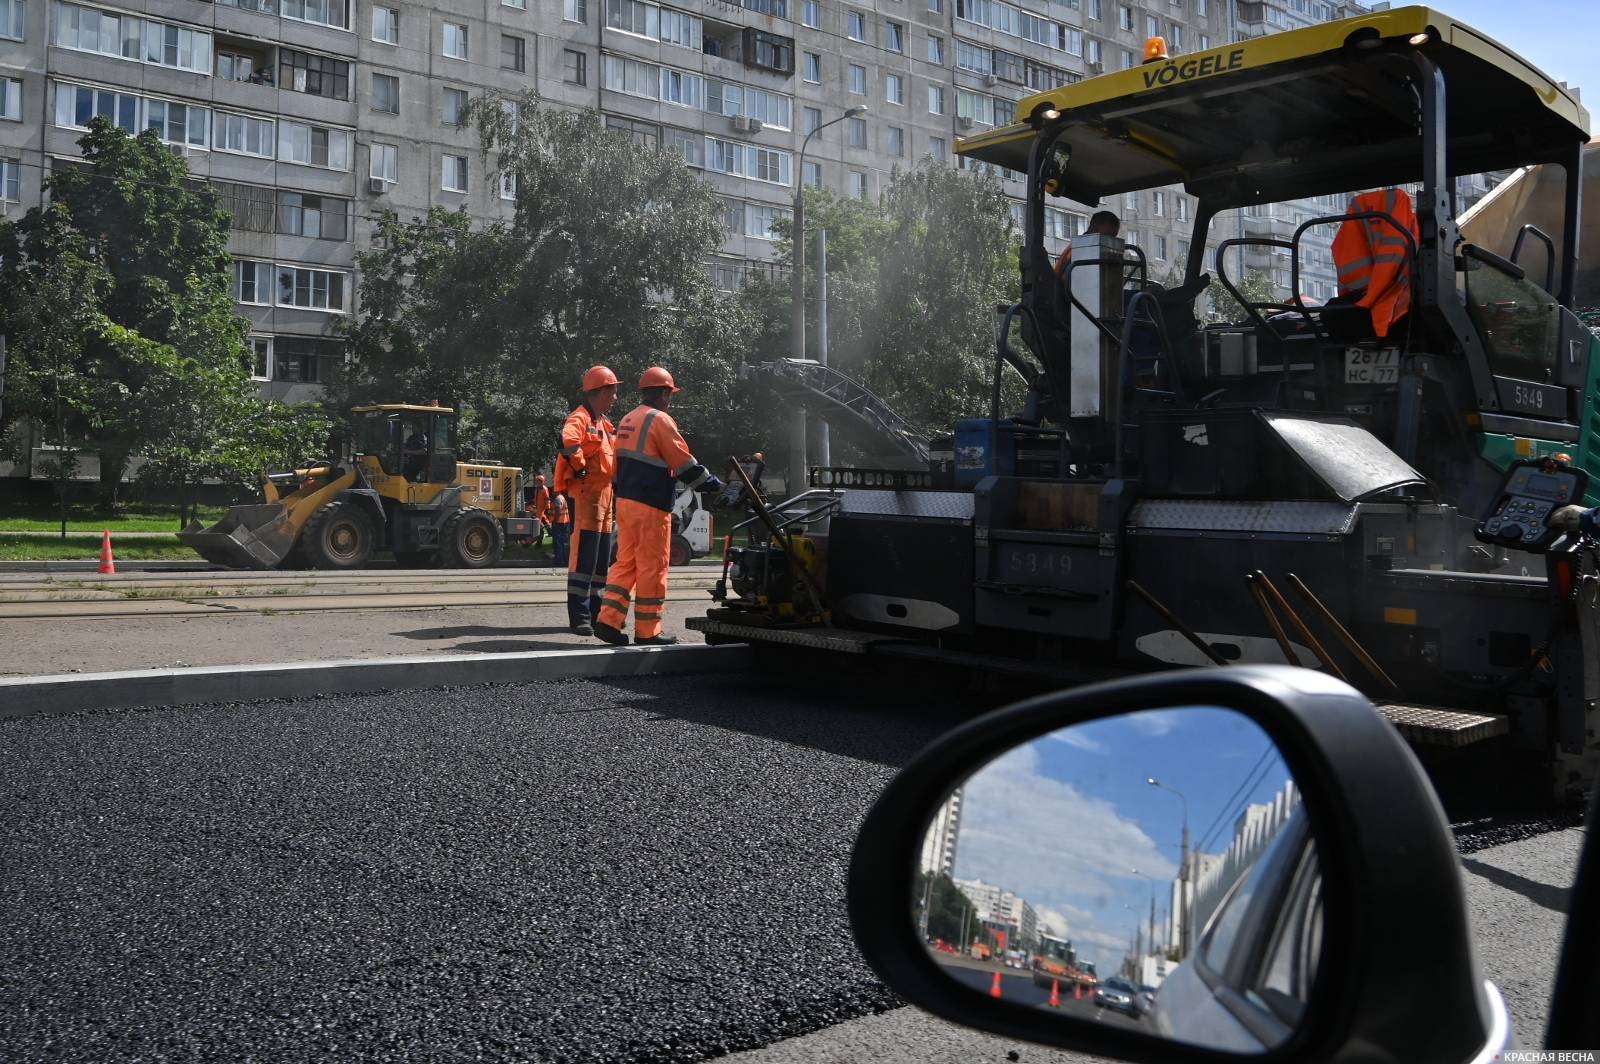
(108, 564)
(994, 987)
(1077, 991)
(1055, 993)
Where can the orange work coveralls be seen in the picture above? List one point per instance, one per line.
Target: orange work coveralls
(651, 457)
(1374, 258)
(588, 441)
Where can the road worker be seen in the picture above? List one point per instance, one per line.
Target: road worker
(651, 455)
(539, 509)
(585, 467)
(560, 524)
(1104, 223)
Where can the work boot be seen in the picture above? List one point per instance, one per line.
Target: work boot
(611, 635)
(582, 628)
(657, 641)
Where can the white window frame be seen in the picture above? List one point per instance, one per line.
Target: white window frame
(811, 14)
(935, 49)
(11, 99)
(894, 89)
(460, 32)
(341, 144)
(305, 6)
(393, 22)
(372, 94)
(445, 95)
(450, 166)
(894, 142)
(266, 374)
(812, 59)
(936, 101)
(575, 11)
(220, 121)
(850, 84)
(313, 274)
(856, 21)
(894, 37)
(390, 153)
(10, 180)
(14, 27)
(261, 270)
(858, 185)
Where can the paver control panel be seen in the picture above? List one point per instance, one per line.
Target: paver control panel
(1531, 492)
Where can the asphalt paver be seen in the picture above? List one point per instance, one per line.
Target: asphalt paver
(581, 871)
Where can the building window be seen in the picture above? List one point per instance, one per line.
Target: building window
(1094, 9)
(936, 99)
(234, 66)
(574, 67)
(11, 99)
(1091, 51)
(453, 173)
(1125, 17)
(11, 21)
(682, 29)
(259, 360)
(76, 105)
(87, 29)
(769, 51)
(894, 141)
(1152, 26)
(645, 134)
(385, 162)
(520, 5)
(178, 123)
(575, 10)
(937, 148)
(858, 26)
(858, 184)
(775, 8)
(1161, 247)
(1204, 42)
(632, 16)
(508, 186)
(894, 89)
(858, 79)
(315, 75)
(1202, 8)
(311, 215)
(1183, 251)
(245, 135)
(1175, 37)
(313, 145)
(10, 179)
(857, 129)
(252, 282)
(813, 119)
(1183, 207)
(936, 6)
(386, 93)
(254, 209)
(1158, 203)
(1127, 59)
(936, 50)
(811, 13)
(692, 146)
(322, 12)
(813, 67)
(310, 289)
(455, 41)
(454, 109)
(811, 174)
(513, 53)
(894, 37)
(386, 25)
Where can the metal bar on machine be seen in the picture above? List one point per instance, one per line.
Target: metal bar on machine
(1182, 629)
(1349, 641)
(777, 534)
(1272, 621)
(1300, 625)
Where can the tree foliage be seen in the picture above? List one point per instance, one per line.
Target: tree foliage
(117, 298)
(603, 261)
(948, 908)
(1256, 286)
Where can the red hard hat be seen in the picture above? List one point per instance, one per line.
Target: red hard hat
(656, 377)
(598, 377)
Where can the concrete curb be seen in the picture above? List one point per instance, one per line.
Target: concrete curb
(34, 696)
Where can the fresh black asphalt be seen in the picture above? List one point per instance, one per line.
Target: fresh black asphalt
(585, 871)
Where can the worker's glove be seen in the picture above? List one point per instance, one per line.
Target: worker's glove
(711, 485)
(1570, 519)
(582, 473)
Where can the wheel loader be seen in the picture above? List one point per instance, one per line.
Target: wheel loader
(1359, 492)
(403, 489)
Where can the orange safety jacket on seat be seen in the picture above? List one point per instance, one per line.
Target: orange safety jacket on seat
(587, 442)
(651, 453)
(1374, 258)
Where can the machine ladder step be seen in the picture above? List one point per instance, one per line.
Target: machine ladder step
(1441, 726)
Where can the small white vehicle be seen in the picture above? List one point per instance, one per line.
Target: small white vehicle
(691, 527)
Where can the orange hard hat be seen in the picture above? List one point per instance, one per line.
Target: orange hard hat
(538, 478)
(598, 377)
(656, 377)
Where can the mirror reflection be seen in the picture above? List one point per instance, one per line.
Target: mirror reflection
(1152, 870)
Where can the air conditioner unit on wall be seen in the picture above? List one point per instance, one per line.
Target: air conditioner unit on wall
(742, 124)
(990, 79)
(964, 122)
(1097, 68)
(377, 186)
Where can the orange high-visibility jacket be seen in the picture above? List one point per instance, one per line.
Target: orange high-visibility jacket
(1373, 257)
(588, 441)
(650, 455)
(559, 514)
(541, 503)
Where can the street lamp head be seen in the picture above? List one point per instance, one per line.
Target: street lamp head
(858, 109)
(1151, 780)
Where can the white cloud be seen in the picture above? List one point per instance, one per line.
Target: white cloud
(1074, 737)
(1156, 722)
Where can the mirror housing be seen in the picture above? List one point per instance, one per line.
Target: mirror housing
(1398, 979)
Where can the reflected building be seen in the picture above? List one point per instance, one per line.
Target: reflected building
(939, 844)
(1003, 910)
(1212, 874)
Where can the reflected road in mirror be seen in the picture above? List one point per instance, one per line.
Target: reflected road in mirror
(1153, 870)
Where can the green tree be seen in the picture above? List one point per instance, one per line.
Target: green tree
(1256, 286)
(127, 265)
(948, 908)
(603, 261)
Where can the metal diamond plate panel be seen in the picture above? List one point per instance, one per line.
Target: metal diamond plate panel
(1443, 727)
(1219, 515)
(948, 505)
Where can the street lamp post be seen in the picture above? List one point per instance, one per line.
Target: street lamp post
(1183, 868)
(797, 310)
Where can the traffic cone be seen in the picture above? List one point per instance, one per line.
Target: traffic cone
(108, 564)
(994, 987)
(1055, 993)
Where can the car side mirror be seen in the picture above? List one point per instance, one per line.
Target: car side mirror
(1240, 862)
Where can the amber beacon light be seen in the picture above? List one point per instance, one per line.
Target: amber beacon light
(1155, 50)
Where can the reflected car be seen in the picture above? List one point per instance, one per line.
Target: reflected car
(1118, 995)
(1232, 993)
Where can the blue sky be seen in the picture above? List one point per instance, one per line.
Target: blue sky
(1557, 36)
(1069, 823)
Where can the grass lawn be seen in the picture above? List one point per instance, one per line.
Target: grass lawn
(48, 548)
(82, 519)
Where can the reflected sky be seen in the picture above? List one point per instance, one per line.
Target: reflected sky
(1065, 820)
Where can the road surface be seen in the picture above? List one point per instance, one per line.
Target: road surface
(583, 871)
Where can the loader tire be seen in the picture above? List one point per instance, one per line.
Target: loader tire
(471, 538)
(680, 553)
(338, 536)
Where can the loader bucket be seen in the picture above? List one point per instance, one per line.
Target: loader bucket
(256, 536)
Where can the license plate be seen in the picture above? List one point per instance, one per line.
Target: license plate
(1367, 365)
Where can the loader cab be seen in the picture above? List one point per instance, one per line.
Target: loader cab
(415, 443)
(1484, 360)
